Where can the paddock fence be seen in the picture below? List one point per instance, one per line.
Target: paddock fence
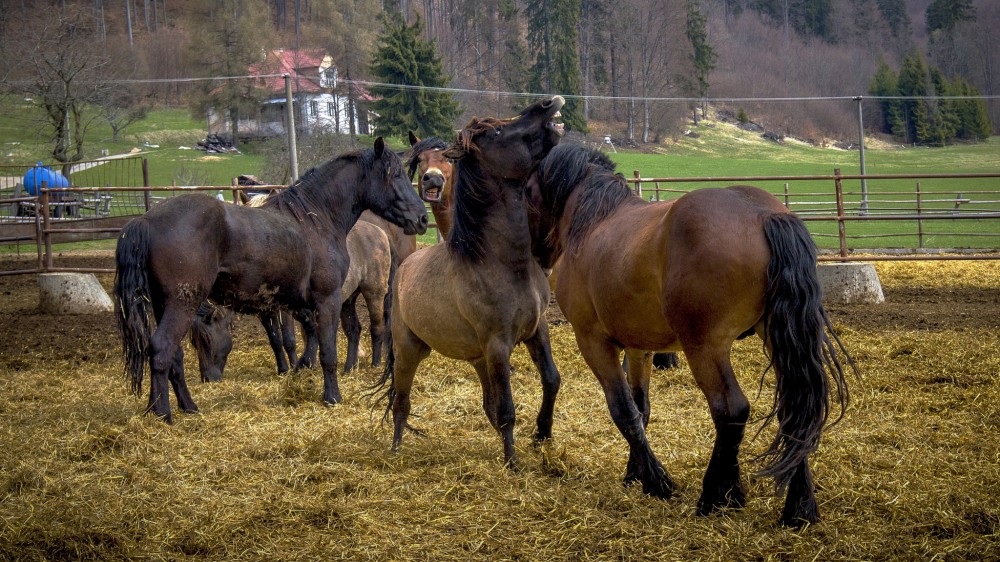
(851, 217)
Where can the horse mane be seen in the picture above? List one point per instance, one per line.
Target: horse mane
(423, 145)
(470, 203)
(572, 167)
(307, 198)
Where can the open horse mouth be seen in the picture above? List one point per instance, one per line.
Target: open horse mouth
(555, 122)
(432, 185)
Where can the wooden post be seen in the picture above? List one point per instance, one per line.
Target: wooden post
(638, 186)
(787, 204)
(236, 191)
(920, 223)
(147, 199)
(841, 227)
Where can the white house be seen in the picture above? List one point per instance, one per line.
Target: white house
(321, 103)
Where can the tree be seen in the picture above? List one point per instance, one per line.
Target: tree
(944, 15)
(65, 69)
(703, 56)
(402, 57)
(552, 33)
(227, 37)
(883, 84)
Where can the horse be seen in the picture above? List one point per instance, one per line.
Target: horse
(480, 293)
(693, 275)
(435, 178)
(290, 253)
(373, 256)
(368, 275)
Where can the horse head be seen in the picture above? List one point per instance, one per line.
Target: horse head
(434, 170)
(511, 148)
(397, 202)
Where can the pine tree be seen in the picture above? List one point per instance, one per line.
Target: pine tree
(402, 57)
(703, 55)
(884, 85)
(552, 33)
(913, 124)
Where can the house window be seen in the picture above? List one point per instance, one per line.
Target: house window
(331, 109)
(314, 107)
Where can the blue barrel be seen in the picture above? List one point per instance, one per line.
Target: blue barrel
(32, 180)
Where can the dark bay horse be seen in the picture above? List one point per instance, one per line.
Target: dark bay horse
(693, 274)
(480, 293)
(368, 276)
(435, 178)
(290, 253)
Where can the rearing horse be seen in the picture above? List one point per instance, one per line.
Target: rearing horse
(290, 253)
(481, 292)
(693, 274)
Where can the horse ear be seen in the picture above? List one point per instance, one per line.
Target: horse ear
(454, 152)
(414, 139)
(379, 147)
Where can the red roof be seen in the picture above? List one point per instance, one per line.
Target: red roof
(302, 65)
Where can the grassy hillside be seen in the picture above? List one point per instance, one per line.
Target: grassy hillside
(713, 148)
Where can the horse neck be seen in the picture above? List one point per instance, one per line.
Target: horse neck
(335, 202)
(503, 231)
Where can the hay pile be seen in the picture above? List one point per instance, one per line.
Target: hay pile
(266, 472)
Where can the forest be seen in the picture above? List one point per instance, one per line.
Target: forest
(640, 70)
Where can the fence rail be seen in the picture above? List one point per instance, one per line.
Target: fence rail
(840, 219)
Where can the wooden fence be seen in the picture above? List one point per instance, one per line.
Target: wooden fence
(841, 219)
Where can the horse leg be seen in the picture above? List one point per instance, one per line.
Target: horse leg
(326, 336)
(176, 376)
(498, 401)
(540, 350)
(639, 369)
(172, 323)
(643, 466)
(308, 358)
(800, 504)
(272, 327)
(722, 486)
(408, 352)
(352, 329)
(288, 336)
(376, 325)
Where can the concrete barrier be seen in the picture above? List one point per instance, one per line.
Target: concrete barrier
(850, 283)
(72, 293)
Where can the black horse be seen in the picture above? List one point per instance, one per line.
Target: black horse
(290, 253)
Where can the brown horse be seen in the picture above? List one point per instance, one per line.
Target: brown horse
(368, 276)
(693, 274)
(480, 293)
(291, 253)
(435, 181)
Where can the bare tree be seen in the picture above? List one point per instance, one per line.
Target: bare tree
(65, 69)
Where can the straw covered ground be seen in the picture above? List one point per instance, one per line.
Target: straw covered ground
(266, 472)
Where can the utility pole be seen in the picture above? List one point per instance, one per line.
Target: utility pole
(861, 146)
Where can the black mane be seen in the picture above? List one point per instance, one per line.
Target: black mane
(570, 167)
(423, 145)
(310, 195)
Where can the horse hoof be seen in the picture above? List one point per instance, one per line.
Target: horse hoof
(731, 498)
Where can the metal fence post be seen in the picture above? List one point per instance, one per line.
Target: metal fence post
(45, 225)
(841, 227)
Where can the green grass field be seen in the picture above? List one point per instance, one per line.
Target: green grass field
(718, 150)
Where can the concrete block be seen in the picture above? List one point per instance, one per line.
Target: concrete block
(850, 283)
(72, 293)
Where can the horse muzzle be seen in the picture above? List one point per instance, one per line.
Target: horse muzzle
(431, 187)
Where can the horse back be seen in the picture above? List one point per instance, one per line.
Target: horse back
(371, 259)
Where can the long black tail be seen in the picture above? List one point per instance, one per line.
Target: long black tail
(133, 304)
(802, 353)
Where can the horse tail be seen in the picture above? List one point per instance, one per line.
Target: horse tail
(802, 353)
(133, 303)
